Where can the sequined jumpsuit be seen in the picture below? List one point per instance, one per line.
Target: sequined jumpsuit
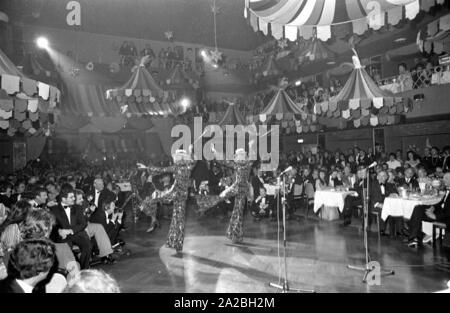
(178, 194)
(239, 189)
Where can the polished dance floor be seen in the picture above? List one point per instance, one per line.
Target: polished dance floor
(317, 257)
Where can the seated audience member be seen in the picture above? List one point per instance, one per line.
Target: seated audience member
(215, 175)
(321, 182)
(5, 194)
(96, 231)
(52, 194)
(3, 213)
(334, 179)
(348, 178)
(436, 213)
(109, 217)
(404, 78)
(38, 225)
(409, 181)
(393, 163)
(412, 160)
(29, 264)
(39, 200)
(257, 181)
(9, 230)
(423, 180)
(392, 178)
(93, 281)
(446, 159)
(263, 205)
(355, 201)
(70, 225)
(380, 189)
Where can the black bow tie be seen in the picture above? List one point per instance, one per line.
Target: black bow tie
(382, 185)
(66, 207)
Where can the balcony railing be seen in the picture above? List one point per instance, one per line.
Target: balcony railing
(438, 75)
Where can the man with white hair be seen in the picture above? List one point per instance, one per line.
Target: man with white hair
(436, 213)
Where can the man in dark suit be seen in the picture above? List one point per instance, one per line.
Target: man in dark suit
(108, 217)
(29, 264)
(379, 190)
(70, 225)
(353, 202)
(436, 213)
(409, 181)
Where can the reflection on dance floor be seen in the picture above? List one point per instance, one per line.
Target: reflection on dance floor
(317, 258)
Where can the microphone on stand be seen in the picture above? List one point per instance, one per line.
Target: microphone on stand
(286, 170)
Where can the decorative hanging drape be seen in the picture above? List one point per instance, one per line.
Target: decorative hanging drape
(435, 36)
(325, 18)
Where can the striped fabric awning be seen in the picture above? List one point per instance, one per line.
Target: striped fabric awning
(280, 106)
(360, 86)
(304, 18)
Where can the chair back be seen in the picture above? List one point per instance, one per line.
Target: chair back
(309, 190)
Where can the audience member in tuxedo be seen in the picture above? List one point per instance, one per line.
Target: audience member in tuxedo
(29, 264)
(93, 281)
(292, 180)
(70, 225)
(379, 190)
(355, 201)
(263, 205)
(437, 213)
(97, 231)
(5, 194)
(109, 218)
(348, 178)
(409, 181)
(39, 200)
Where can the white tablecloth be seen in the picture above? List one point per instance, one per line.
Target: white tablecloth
(330, 198)
(404, 207)
(272, 190)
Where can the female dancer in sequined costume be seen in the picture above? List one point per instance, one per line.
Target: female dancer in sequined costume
(178, 194)
(239, 189)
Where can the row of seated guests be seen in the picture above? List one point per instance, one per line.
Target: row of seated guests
(72, 220)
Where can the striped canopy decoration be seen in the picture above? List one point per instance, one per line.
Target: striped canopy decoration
(26, 105)
(141, 95)
(232, 117)
(305, 18)
(362, 101)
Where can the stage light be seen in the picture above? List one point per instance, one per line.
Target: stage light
(42, 43)
(300, 141)
(298, 83)
(215, 65)
(203, 53)
(185, 103)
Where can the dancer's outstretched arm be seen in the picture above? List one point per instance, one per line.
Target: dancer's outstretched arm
(154, 170)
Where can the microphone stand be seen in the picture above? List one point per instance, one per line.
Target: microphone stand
(285, 288)
(369, 266)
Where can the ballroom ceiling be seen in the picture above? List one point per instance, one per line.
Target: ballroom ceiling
(190, 20)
